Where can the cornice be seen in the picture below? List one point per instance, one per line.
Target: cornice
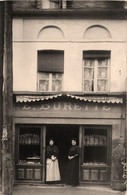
(73, 13)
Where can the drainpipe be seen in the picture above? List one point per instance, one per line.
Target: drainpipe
(1, 78)
(7, 165)
(125, 165)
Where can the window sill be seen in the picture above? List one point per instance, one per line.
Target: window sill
(29, 164)
(94, 165)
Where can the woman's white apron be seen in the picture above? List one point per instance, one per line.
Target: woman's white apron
(52, 170)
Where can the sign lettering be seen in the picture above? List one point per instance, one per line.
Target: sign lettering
(66, 106)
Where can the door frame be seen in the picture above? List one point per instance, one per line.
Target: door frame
(44, 147)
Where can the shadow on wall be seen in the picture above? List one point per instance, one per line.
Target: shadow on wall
(50, 33)
(97, 32)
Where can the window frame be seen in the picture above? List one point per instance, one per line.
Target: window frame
(59, 69)
(17, 141)
(50, 81)
(95, 70)
(109, 141)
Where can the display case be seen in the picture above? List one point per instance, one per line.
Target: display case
(96, 156)
(29, 149)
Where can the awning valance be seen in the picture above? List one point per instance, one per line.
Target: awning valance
(98, 99)
(33, 98)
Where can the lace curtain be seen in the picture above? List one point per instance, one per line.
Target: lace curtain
(96, 75)
(50, 82)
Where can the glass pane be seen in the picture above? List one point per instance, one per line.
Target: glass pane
(102, 73)
(43, 85)
(56, 85)
(29, 145)
(102, 85)
(88, 73)
(43, 75)
(88, 85)
(56, 82)
(57, 76)
(102, 62)
(95, 146)
(89, 63)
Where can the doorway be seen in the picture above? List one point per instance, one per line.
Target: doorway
(62, 135)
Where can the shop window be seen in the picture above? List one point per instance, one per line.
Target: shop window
(50, 70)
(96, 71)
(96, 146)
(29, 145)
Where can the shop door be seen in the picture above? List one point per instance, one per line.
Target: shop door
(62, 135)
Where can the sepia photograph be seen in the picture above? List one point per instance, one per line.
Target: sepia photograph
(63, 97)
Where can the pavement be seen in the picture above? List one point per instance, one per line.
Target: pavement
(64, 190)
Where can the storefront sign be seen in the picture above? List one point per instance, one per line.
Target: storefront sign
(67, 109)
(66, 106)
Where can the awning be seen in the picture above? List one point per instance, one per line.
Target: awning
(35, 98)
(101, 99)
(98, 99)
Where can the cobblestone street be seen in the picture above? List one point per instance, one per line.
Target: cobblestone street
(65, 190)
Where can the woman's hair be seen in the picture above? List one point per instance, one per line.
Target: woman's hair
(51, 139)
(75, 139)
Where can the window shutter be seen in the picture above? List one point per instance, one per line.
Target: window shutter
(51, 61)
(96, 54)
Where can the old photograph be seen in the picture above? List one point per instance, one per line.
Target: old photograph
(63, 97)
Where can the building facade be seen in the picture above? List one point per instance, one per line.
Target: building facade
(69, 80)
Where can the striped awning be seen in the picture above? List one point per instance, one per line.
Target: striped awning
(102, 99)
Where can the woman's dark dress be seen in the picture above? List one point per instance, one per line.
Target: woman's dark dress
(73, 166)
(51, 150)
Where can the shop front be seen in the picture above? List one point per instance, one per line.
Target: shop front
(96, 122)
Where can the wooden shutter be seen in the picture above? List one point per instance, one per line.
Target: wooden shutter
(96, 54)
(51, 61)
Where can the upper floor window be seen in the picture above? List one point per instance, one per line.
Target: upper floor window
(50, 70)
(96, 71)
(51, 4)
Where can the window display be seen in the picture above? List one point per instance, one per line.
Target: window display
(29, 145)
(95, 146)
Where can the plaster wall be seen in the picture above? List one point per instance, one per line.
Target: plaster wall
(31, 35)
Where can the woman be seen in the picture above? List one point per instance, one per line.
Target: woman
(73, 164)
(52, 166)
